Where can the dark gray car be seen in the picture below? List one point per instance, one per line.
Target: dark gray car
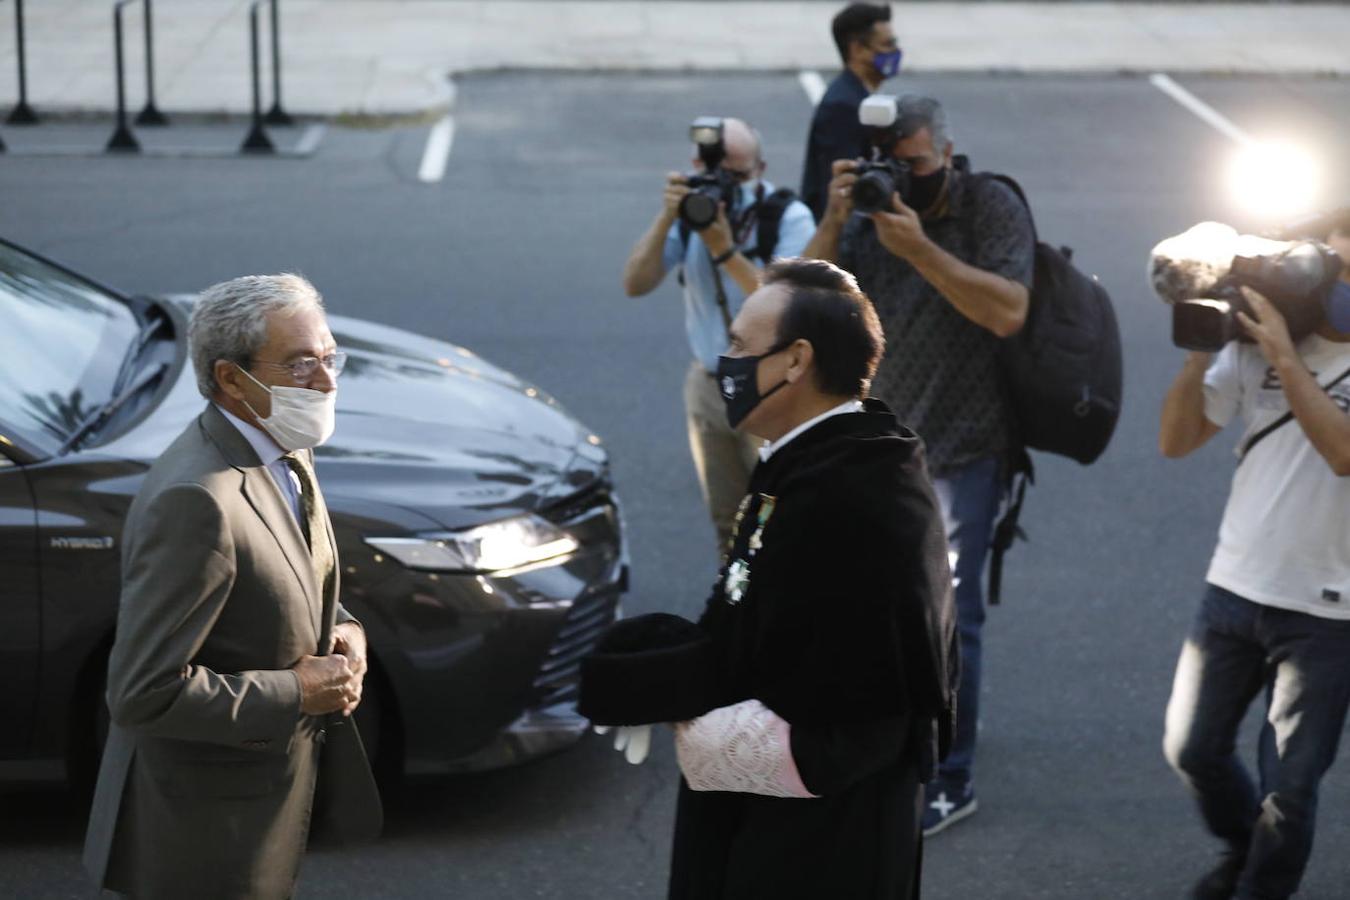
(479, 533)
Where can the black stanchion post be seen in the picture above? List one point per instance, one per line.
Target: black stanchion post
(150, 115)
(122, 141)
(276, 115)
(22, 114)
(257, 140)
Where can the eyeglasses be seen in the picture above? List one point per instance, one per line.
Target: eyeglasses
(303, 369)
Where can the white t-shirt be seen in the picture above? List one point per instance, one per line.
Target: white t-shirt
(1285, 537)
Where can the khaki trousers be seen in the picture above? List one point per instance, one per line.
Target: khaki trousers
(723, 457)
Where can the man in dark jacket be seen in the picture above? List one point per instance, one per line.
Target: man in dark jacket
(867, 46)
(832, 620)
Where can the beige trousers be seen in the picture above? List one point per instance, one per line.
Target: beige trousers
(723, 457)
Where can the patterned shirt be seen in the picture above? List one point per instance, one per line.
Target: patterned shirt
(940, 370)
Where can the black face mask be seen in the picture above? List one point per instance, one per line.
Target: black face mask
(924, 190)
(738, 379)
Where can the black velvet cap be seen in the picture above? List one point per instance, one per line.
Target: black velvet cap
(648, 669)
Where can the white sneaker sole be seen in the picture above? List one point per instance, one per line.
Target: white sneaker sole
(955, 817)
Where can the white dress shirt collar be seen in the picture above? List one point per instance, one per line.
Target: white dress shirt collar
(769, 449)
(259, 440)
(273, 457)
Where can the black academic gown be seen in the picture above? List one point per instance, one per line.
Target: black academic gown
(834, 609)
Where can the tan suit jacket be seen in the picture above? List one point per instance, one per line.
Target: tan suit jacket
(209, 772)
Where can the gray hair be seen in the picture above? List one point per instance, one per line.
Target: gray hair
(914, 112)
(230, 320)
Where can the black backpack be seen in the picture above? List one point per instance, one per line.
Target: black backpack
(1062, 373)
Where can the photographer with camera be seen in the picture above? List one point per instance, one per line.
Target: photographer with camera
(716, 226)
(948, 260)
(867, 46)
(1275, 616)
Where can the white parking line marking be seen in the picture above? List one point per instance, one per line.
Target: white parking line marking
(309, 141)
(1203, 110)
(813, 84)
(437, 152)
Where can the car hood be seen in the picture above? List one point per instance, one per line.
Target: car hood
(423, 425)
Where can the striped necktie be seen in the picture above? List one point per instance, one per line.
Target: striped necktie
(314, 524)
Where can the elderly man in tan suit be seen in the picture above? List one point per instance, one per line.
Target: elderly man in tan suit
(235, 667)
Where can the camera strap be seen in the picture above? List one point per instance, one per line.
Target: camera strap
(723, 305)
(1283, 420)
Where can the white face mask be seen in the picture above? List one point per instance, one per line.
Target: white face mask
(301, 418)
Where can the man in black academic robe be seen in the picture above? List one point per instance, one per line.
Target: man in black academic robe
(831, 621)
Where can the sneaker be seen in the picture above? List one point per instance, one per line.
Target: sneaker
(946, 803)
(1220, 883)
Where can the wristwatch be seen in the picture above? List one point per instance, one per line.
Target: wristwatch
(718, 260)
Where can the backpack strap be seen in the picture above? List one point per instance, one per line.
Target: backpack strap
(1021, 474)
(1283, 420)
(976, 178)
(771, 210)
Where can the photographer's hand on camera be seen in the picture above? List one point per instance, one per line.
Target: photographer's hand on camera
(1269, 330)
(838, 207)
(900, 231)
(1325, 423)
(1184, 427)
(677, 186)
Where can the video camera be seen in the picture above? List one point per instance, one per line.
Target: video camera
(714, 185)
(882, 175)
(1201, 273)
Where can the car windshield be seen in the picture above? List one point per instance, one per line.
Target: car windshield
(61, 344)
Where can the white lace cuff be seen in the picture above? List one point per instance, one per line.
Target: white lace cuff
(744, 748)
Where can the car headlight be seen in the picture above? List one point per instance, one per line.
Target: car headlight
(497, 546)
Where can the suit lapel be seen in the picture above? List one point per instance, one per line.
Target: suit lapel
(265, 498)
(262, 493)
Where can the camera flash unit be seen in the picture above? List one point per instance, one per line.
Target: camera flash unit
(877, 111)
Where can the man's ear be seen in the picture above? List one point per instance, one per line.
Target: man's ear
(947, 155)
(801, 355)
(228, 378)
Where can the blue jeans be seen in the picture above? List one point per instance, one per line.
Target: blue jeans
(970, 498)
(1236, 651)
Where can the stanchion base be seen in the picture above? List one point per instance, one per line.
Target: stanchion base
(152, 117)
(22, 114)
(123, 141)
(257, 141)
(278, 116)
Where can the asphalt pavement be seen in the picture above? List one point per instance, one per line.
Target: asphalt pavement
(516, 254)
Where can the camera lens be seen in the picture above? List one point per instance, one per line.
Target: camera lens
(698, 209)
(872, 191)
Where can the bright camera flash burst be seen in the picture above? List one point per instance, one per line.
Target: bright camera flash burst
(1274, 180)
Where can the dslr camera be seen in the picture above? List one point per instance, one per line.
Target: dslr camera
(882, 175)
(712, 186)
(1194, 272)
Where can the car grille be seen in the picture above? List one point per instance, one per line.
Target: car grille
(592, 517)
(560, 675)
